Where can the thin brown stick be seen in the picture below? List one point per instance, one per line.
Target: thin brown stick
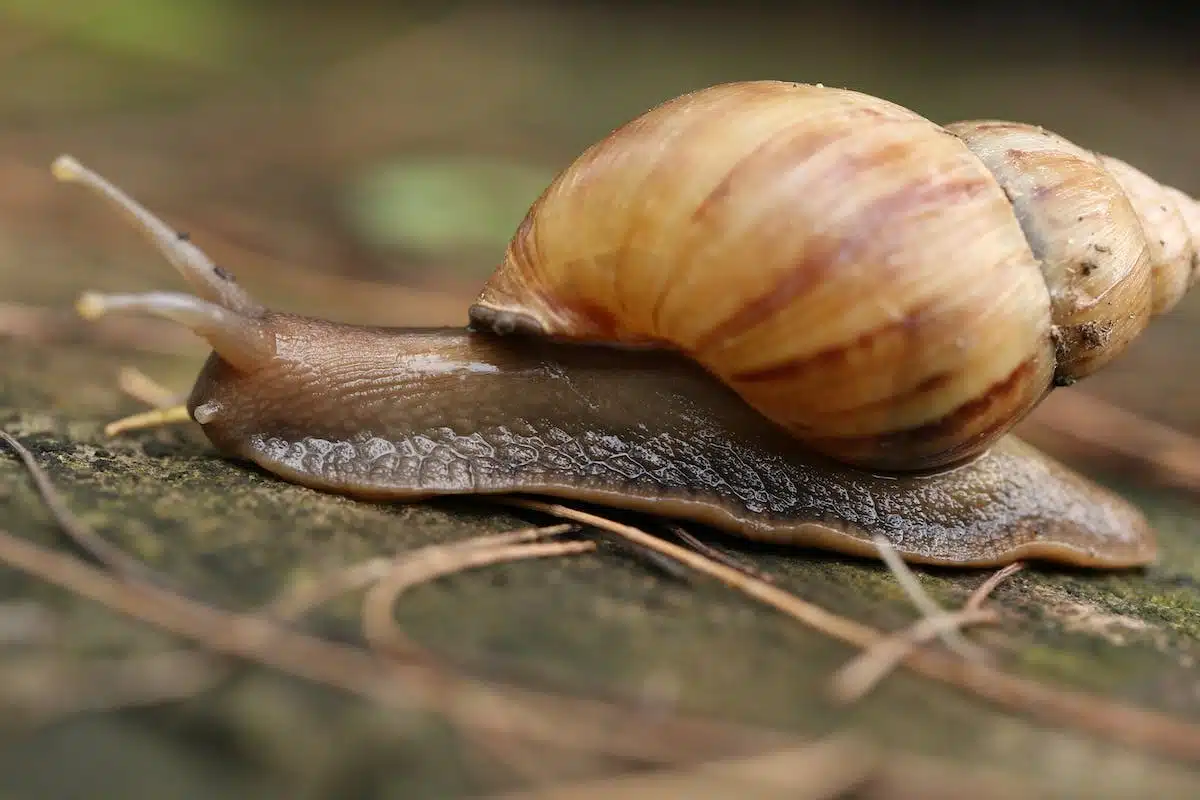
(166, 407)
(385, 637)
(85, 538)
(63, 689)
(40, 683)
(853, 681)
(644, 556)
(1115, 721)
(53, 326)
(985, 589)
(861, 674)
(716, 554)
(818, 770)
(1081, 426)
(297, 601)
(428, 563)
(379, 626)
(843, 765)
(926, 605)
(562, 721)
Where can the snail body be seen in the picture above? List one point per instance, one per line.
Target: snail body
(795, 313)
(442, 412)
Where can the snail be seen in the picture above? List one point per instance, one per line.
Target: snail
(795, 313)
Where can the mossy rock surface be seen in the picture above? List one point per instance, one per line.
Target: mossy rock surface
(598, 622)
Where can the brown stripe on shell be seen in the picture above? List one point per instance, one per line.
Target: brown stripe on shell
(598, 319)
(823, 252)
(835, 354)
(906, 444)
(820, 252)
(523, 247)
(938, 380)
(792, 148)
(801, 146)
(647, 133)
(930, 384)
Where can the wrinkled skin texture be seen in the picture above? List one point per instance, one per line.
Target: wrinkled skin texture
(389, 414)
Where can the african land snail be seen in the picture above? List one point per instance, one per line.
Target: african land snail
(742, 263)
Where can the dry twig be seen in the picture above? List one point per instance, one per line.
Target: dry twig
(560, 721)
(1083, 427)
(842, 765)
(1115, 721)
(862, 673)
(820, 770)
(166, 406)
(949, 634)
(297, 601)
(83, 537)
(479, 707)
(379, 625)
(716, 554)
(985, 589)
(52, 325)
(154, 418)
(43, 690)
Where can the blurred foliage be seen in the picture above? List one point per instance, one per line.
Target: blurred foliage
(440, 207)
(197, 32)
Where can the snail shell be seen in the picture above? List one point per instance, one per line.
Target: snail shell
(895, 293)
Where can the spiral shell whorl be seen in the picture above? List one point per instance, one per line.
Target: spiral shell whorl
(1171, 221)
(1114, 244)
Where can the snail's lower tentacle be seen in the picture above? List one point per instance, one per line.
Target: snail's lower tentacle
(154, 418)
(244, 342)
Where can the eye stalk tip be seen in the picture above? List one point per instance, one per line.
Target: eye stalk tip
(91, 305)
(65, 168)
